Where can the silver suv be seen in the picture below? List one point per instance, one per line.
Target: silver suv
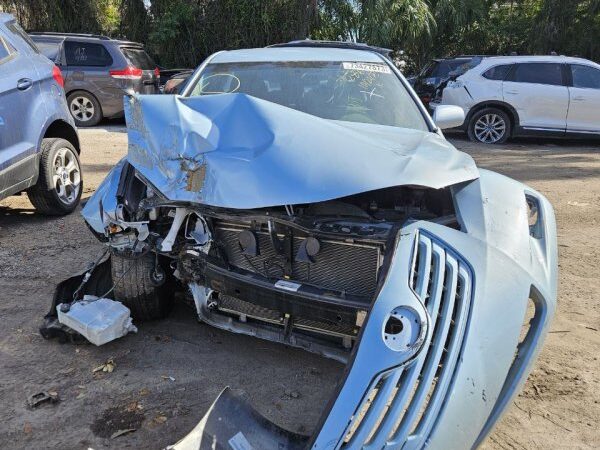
(39, 147)
(98, 71)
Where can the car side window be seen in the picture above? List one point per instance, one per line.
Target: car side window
(497, 72)
(5, 50)
(585, 77)
(50, 50)
(18, 31)
(538, 73)
(86, 54)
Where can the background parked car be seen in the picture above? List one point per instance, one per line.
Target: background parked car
(177, 82)
(98, 71)
(39, 146)
(437, 71)
(167, 74)
(527, 95)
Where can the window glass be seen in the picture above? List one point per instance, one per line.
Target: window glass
(431, 70)
(446, 67)
(346, 91)
(539, 73)
(497, 72)
(18, 31)
(49, 49)
(139, 58)
(585, 77)
(4, 51)
(86, 54)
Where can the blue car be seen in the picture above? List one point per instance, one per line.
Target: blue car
(302, 194)
(39, 146)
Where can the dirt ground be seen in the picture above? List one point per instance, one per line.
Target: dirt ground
(559, 407)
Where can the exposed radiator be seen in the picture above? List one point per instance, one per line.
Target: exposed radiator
(340, 266)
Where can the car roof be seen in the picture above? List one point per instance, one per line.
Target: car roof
(536, 58)
(334, 44)
(455, 58)
(58, 37)
(276, 54)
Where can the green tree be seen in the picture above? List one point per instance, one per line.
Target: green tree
(395, 24)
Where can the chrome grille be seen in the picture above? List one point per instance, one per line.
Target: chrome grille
(340, 266)
(402, 405)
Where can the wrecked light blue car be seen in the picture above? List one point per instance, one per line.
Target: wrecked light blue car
(301, 194)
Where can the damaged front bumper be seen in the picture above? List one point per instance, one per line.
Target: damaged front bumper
(441, 352)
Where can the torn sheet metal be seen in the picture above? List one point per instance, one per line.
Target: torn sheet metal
(238, 151)
(99, 320)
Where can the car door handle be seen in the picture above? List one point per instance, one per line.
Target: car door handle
(511, 92)
(24, 83)
(578, 99)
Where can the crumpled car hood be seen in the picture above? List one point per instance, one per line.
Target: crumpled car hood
(238, 151)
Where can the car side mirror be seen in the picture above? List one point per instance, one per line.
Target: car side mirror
(448, 116)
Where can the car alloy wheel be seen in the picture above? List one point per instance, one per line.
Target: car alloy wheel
(67, 176)
(490, 128)
(82, 108)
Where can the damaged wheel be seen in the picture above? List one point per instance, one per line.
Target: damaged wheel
(136, 288)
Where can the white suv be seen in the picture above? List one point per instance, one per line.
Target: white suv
(508, 96)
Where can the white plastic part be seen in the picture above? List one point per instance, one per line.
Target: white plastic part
(99, 320)
(180, 215)
(448, 116)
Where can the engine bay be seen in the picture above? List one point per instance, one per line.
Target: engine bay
(304, 275)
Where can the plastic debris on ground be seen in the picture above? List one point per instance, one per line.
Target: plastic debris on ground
(40, 398)
(99, 320)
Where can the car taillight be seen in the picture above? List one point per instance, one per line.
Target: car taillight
(128, 73)
(57, 75)
(157, 72)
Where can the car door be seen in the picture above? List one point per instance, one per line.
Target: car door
(538, 92)
(584, 94)
(87, 66)
(19, 84)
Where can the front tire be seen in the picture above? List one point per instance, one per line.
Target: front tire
(489, 126)
(84, 108)
(136, 287)
(60, 184)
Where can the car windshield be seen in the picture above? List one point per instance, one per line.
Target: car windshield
(441, 69)
(346, 91)
(139, 58)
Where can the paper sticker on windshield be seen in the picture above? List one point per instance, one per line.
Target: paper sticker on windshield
(366, 67)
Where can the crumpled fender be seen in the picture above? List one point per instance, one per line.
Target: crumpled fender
(103, 202)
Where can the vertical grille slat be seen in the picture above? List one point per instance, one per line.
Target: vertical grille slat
(424, 268)
(443, 281)
(372, 416)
